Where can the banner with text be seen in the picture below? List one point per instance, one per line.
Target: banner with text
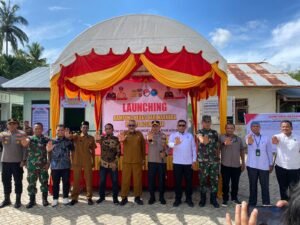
(270, 123)
(40, 114)
(144, 102)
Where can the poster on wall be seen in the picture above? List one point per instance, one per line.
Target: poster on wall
(270, 122)
(40, 113)
(144, 102)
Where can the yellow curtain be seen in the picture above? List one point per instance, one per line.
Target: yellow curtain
(97, 110)
(54, 103)
(173, 79)
(103, 79)
(222, 97)
(71, 94)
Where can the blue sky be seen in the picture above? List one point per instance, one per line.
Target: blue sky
(242, 30)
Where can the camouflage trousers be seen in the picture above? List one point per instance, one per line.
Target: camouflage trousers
(208, 176)
(32, 177)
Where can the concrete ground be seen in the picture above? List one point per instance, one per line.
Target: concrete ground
(107, 213)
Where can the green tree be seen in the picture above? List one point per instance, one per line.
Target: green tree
(35, 51)
(9, 30)
(295, 75)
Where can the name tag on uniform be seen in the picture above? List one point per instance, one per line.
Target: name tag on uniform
(257, 152)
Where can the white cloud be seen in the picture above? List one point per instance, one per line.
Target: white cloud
(49, 31)
(51, 54)
(220, 37)
(58, 8)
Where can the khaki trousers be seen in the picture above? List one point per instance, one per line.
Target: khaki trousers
(88, 173)
(136, 170)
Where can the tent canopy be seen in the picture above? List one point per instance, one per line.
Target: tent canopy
(111, 51)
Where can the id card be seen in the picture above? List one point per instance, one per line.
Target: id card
(257, 152)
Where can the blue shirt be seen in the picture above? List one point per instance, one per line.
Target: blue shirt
(185, 152)
(264, 145)
(60, 155)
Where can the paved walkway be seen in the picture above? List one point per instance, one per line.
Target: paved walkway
(107, 213)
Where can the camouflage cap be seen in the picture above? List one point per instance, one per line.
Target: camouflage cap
(12, 120)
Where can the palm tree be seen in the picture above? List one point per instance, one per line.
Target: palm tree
(8, 26)
(35, 51)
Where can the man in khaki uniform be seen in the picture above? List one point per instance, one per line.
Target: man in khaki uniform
(83, 158)
(133, 160)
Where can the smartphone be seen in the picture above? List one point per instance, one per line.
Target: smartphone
(269, 215)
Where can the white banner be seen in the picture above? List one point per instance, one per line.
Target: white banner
(40, 114)
(144, 102)
(270, 123)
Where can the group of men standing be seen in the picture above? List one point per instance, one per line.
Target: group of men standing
(215, 152)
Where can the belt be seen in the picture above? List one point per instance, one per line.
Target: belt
(107, 164)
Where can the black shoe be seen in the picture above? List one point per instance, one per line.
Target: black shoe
(90, 201)
(138, 201)
(176, 203)
(124, 201)
(45, 199)
(6, 201)
(151, 201)
(203, 200)
(190, 203)
(162, 201)
(236, 201)
(100, 200)
(73, 202)
(116, 201)
(31, 202)
(18, 201)
(224, 203)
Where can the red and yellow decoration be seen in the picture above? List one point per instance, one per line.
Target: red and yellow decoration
(91, 75)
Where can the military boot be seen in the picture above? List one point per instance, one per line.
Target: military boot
(18, 201)
(203, 199)
(213, 200)
(6, 201)
(31, 202)
(45, 199)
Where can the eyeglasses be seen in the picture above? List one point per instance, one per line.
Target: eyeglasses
(155, 121)
(131, 125)
(181, 125)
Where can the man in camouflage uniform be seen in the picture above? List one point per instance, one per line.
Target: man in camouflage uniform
(209, 161)
(37, 164)
(110, 153)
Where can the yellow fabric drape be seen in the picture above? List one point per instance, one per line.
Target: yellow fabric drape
(54, 103)
(71, 94)
(103, 79)
(97, 110)
(171, 78)
(222, 97)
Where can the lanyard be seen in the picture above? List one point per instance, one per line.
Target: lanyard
(257, 143)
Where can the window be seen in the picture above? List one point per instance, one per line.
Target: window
(241, 107)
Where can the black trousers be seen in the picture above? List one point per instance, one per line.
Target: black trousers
(230, 174)
(9, 170)
(263, 176)
(156, 170)
(63, 174)
(114, 180)
(286, 180)
(179, 172)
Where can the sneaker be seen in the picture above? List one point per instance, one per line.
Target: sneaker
(124, 201)
(116, 201)
(266, 205)
(138, 201)
(100, 200)
(54, 203)
(236, 201)
(224, 203)
(66, 201)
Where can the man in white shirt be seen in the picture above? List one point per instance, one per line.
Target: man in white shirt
(287, 161)
(184, 161)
